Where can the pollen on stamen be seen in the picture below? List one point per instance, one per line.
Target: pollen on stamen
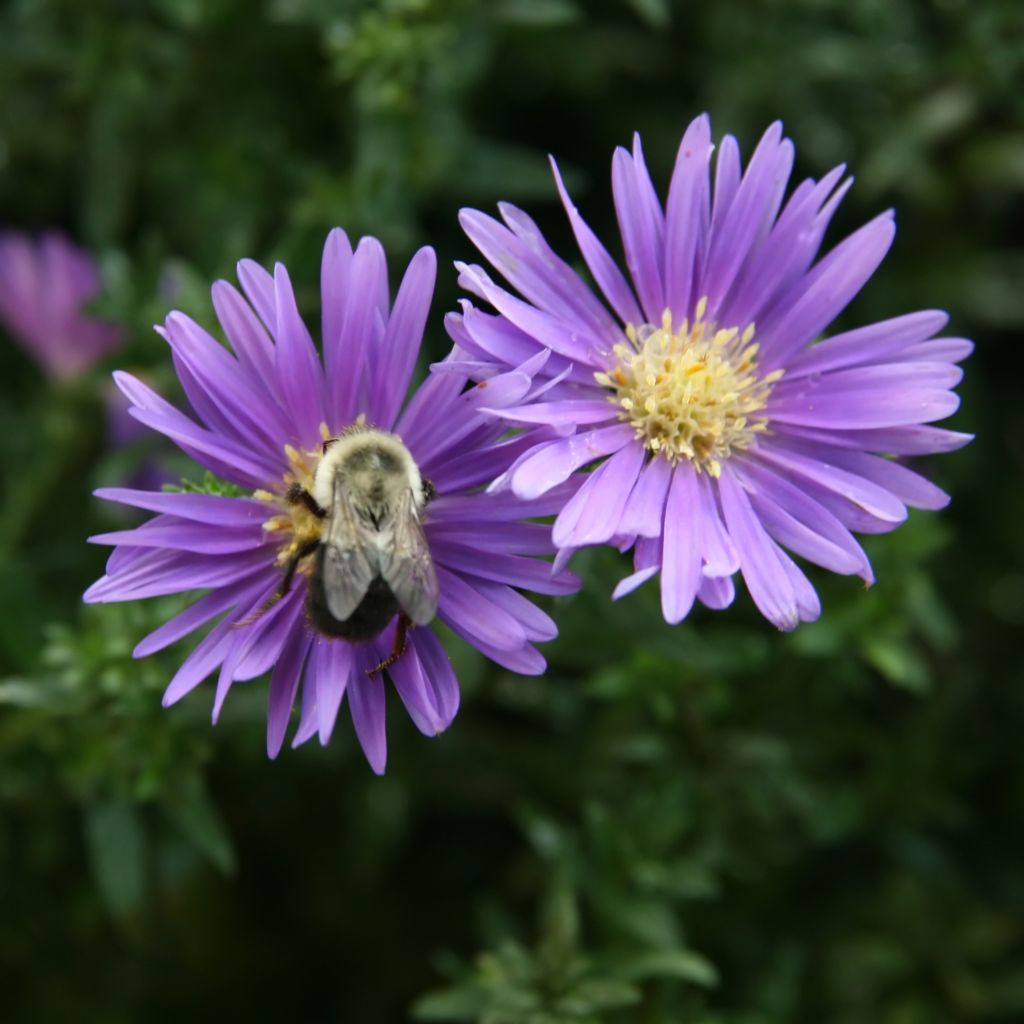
(693, 392)
(293, 525)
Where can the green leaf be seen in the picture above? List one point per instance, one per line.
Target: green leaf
(116, 846)
(595, 994)
(677, 964)
(900, 664)
(462, 1003)
(188, 803)
(210, 484)
(538, 13)
(656, 13)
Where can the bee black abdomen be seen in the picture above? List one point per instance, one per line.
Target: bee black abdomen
(375, 611)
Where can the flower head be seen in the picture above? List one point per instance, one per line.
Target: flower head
(725, 434)
(44, 285)
(268, 418)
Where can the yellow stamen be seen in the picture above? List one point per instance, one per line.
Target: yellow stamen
(692, 393)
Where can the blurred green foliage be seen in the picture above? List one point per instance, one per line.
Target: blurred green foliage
(711, 824)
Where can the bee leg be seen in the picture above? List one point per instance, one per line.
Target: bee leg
(398, 650)
(293, 563)
(429, 492)
(298, 495)
(286, 582)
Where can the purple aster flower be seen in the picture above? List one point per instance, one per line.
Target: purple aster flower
(44, 285)
(271, 419)
(726, 435)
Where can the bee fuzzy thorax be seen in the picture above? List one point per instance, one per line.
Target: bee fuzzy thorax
(374, 464)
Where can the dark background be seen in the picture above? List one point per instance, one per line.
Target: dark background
(708, 824)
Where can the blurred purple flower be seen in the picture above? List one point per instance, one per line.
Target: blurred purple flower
(726, 435)
(264, 413)
(44, 284)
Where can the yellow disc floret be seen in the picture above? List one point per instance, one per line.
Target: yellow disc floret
(294, 525)
(692, 393)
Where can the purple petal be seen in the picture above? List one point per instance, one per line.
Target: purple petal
(592, 515)
(298, 366)
(243, 412)
(515, 538)
(284, 682)
(201, 612)
(307, 726)
(221, 456)
(581, 412)
(248, 337)
(261, 631)
(680, 571)
(792, 534)
(630, 583)
(368, 278)
(201, 508)
(488, 508)
(908, 440)
(366, 704)
(426, 682)
(462, 471)
(784, 256)
(209, 653)
(258, 286)
(945, 350)
(528, 573)
(573, 341)
(464, 417)
(525, 660)
(808, 605)
(537, 625)
(333, 663)
(909, 487)
(438, 391)
(864, 346)
(869, 397)
(716, 592)
(766, 175)
(335, 276)
(490, 336)
(717, 550)
(687, 197)
(555, 462)
(439, 673)
(568, 282)
(812, 462)
(182, 535)
(535, 271)
(607, 275)
(411, 684)
(641, 225)
(642, 516)
(170, 572)
(403, 336)
(766, 577)
(808, 513)
(826, 290)
(474, 617)
(728, 174)
(265, 631)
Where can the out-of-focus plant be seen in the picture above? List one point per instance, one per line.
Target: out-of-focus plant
(829, 820)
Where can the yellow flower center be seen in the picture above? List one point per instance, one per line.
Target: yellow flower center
(294, 525)
(692, 393)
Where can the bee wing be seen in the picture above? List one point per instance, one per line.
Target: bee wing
(406, 565)
(349, 560)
